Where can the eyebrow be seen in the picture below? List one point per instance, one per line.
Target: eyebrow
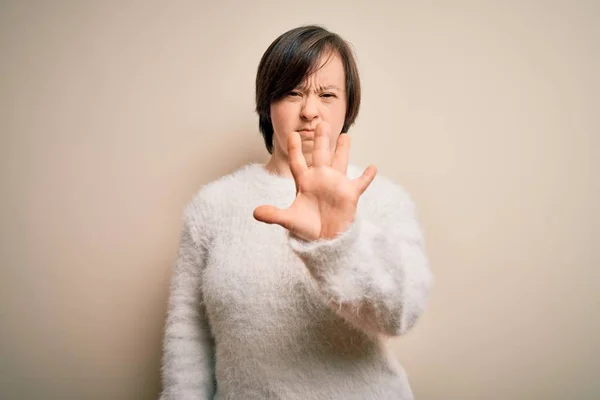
(304, 86)
(321, 88)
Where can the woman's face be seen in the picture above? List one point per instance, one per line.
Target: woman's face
(321, 97)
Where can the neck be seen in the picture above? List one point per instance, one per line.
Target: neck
(279, 166)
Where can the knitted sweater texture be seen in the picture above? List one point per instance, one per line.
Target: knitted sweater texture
(256, 313)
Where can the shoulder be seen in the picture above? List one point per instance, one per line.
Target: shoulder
(214, 197)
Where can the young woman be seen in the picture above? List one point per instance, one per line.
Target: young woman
(291, 274)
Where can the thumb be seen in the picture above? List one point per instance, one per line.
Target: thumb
(271, 215)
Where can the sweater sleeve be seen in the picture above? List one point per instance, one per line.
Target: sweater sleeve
(375, 274)
(187, 365)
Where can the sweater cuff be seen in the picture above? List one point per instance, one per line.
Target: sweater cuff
(327, 253)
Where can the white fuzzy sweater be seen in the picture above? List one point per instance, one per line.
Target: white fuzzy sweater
(255, 313)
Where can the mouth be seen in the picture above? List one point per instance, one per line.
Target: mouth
(307, 133)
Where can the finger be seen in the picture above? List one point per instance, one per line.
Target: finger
(363, 181)
(297, 161)
(321, 153)
(342, 151)
(272, 215)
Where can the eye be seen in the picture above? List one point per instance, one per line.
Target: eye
(328, 95)
(293, 94)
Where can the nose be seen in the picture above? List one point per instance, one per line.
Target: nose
(310, 108)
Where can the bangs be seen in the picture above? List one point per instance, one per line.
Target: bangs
(298, 62)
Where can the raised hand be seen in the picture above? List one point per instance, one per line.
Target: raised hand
(326, 199)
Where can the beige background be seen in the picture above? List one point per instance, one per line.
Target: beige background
(114, 113)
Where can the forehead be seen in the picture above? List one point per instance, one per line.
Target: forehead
(330, 72)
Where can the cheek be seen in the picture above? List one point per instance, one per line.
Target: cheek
(337, 114)
(275, 116)
(280, 116)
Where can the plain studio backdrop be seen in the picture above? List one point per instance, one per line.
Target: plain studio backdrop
(113, 114)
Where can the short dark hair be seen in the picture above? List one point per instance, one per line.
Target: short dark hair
(289, 60)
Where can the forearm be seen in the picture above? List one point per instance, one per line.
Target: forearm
(377, 279)
(187, 368)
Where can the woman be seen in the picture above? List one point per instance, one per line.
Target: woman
(290, 275)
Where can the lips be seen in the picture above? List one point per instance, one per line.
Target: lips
(307, 136)
(308, 133)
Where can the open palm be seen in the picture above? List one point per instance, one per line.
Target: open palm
(326, 199)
